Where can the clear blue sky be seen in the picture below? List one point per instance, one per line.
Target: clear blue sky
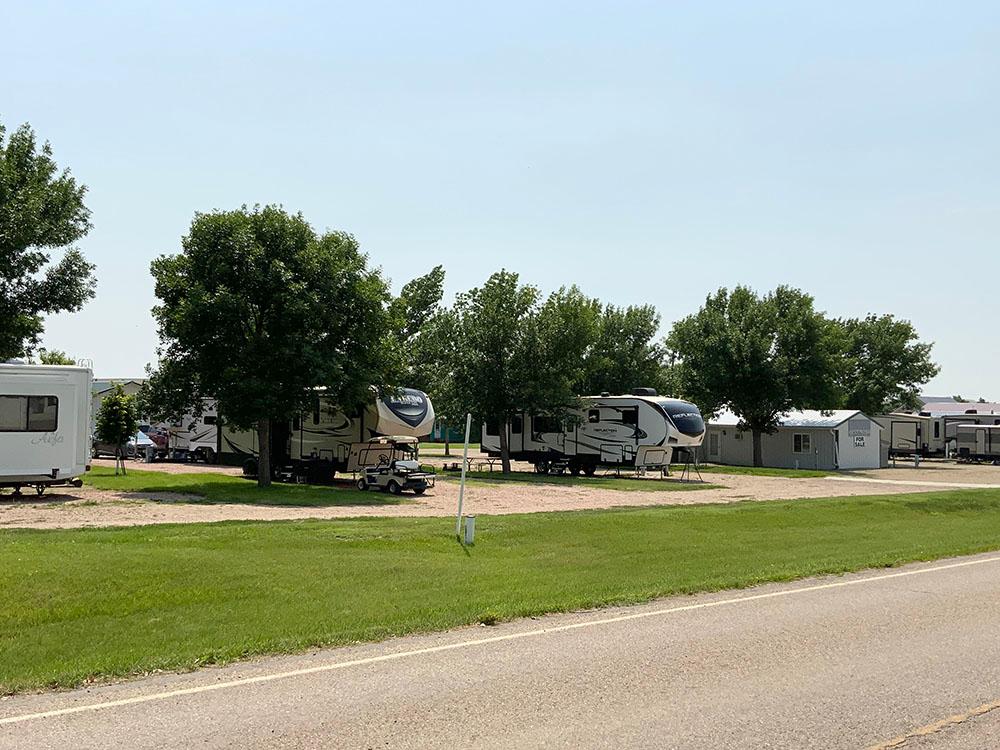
(648, 152)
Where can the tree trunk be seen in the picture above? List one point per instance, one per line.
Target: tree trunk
(264, 457)
(447, 442)
(504, 447)
(758, 456)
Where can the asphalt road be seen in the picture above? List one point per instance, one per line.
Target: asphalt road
(899, 658)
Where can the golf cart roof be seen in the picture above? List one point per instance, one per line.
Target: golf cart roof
(389, 439)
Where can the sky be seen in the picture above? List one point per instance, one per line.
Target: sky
(647, 152)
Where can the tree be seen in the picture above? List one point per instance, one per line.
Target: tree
(417, 303)
(885, 364)
(55, 357)
(117, 422)
(758, 356)
(40, 209)
(500, 351)
(257, 311)
(625, 354)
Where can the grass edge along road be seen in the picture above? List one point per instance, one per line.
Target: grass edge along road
(93, 603)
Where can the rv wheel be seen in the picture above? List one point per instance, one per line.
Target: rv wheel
(542, 467)
(574, 470)
(208, 455)
(589, 469)
(249, 468)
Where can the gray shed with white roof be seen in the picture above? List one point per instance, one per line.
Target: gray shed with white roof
(811, 439)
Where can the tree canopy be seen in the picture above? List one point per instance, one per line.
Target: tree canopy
(885, 364)
(258, 311)
(625, 353)
(55, 357)
(41, 209)
(758, 356)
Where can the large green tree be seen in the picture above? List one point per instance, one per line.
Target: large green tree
(626, 353)
(55, 357)
(759, 356)
(885, 364)
(501, 350)
(257, 311)
(41, 209)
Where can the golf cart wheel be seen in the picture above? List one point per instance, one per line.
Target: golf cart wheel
(542, 467)
(589, 469)
(362, 484)
(394, 488)
(419, 490)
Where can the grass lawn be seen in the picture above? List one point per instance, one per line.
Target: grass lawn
(80, 603)
(625, 484)
(226, 488)
(756, 471)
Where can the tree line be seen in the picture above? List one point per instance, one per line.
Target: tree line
(257, 310)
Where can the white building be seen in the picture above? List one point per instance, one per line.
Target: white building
(824, 440)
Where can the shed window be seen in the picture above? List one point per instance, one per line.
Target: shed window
(29, 413)
(713, 444)
(738, 435)
(801, 443)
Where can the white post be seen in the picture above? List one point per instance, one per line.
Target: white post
(461, 486)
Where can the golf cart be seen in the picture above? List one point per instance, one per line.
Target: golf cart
(390, 464)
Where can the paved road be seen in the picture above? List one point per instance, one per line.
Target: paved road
(847, 662)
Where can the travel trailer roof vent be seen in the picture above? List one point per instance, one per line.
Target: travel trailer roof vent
(644, 392)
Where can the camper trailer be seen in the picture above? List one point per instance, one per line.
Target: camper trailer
(906, 434)
(315, 445)
(640, 430)
(194, 437)
(978, 442)
(44, 425)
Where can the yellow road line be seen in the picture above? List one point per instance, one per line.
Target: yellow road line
(937, 726)
(243, 681)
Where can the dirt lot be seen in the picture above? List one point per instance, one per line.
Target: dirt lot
(69, 508)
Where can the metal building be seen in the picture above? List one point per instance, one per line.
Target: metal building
(824, 440)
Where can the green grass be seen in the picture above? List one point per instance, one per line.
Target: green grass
(226, 488)
(624, 484)
(75, 604)
(756, 471)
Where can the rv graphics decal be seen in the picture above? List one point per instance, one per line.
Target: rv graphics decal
(408, 404)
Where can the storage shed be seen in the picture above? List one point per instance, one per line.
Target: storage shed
(824, 440)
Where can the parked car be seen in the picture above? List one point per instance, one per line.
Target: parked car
(134, 448)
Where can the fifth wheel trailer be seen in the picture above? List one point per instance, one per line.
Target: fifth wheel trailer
(44, 425)
(315, 445)
(978, 442)
(640, 430)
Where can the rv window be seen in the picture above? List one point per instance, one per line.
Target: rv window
(937, 429)
(594, 416)
(29, 413)
(210, 419)
(493, 428)
(800, 443)
(316, 413)
(547, 424)
(296, 423)
(517, 424)
(630, 416)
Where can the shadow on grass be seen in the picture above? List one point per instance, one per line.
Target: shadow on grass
(202, 488)
(623, 484)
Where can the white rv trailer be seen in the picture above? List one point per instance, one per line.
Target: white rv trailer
(907, 434)
(640, 430)
(194, 437)
(44, 425)
(978, 442)
(317, 444)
